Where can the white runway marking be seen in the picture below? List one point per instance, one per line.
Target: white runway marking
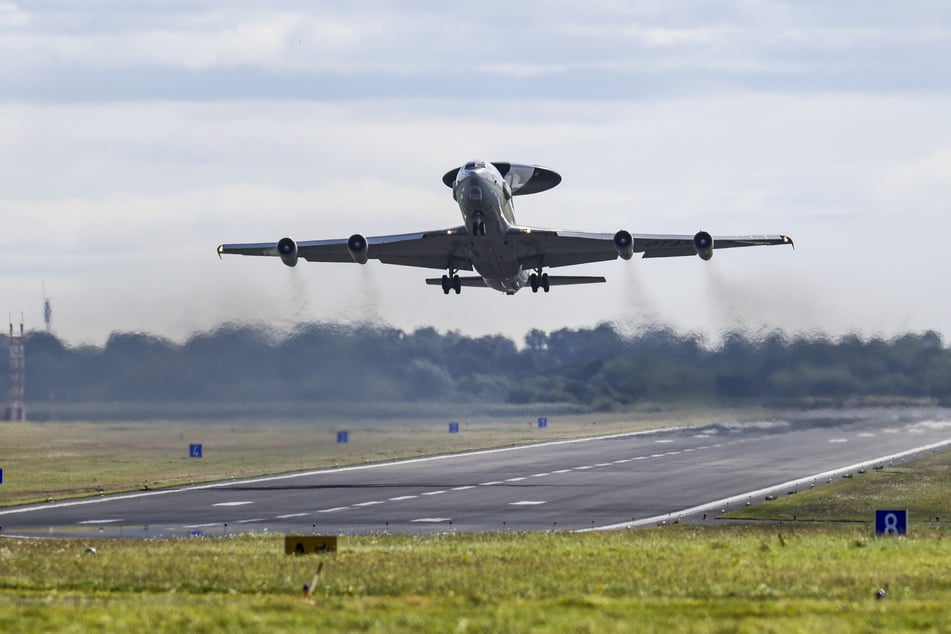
(585, 468)
(536, 475)
(562, 471)
(336, 470)
(489, 484)
(432, 492)
(527, 503)
(371, 503)
(625, 460)
(335, 509)
(403, 497)
(290, 515)
(432, 520)
(603, 464)
(100, 521)
(465, 488)
(232, 503)
(515, 479)
(838, 440)
(203, 525)
(866, 434)
(257, 519)
(742, 497)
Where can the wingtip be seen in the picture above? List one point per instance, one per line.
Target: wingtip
(219, 250)
(789, 241)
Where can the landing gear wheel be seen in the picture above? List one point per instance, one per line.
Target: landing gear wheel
(446, 284)
(456, 284)
(545, 285)
(533, 281)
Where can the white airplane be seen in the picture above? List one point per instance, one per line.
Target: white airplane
(507, 256)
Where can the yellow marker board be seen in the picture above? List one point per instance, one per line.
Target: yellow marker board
(309, 545)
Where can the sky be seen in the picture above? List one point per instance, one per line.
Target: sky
(137, 136)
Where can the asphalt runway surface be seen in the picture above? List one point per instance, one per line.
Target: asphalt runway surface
(597, 483)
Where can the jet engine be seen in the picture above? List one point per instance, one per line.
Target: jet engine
(703, 243)
(287, 249)
(357, 246)
(624, 244)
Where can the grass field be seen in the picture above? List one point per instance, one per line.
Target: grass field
(677, 578)
(69, 459)
(789, 577)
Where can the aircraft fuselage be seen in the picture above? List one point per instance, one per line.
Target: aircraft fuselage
(485, 201)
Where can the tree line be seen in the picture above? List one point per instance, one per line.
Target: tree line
(597, 368)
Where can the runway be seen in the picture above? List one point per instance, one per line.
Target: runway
(595, 483)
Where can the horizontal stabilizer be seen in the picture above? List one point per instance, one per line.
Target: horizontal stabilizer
(568, 280)
(464, 281)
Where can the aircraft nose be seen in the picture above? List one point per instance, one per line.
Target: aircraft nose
(469, 188)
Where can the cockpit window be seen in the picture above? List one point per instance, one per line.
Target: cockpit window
(475, 165)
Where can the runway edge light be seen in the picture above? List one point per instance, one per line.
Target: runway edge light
(310, 544)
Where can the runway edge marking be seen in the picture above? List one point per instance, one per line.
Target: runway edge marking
(304, 474)
(648, 521)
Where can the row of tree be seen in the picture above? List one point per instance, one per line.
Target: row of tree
(597, 368)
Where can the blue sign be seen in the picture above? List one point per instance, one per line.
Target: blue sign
(194, 451)
(342, 437)
(1, 476)
(891, 522)
(453, 428)
(543, 422)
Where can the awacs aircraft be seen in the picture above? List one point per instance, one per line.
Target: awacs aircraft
(507, 256)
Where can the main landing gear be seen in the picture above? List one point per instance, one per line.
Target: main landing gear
(538, 280)
(451, 282)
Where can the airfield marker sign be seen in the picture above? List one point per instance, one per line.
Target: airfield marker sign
(453, 428)
(891, 522)
(543, 422)
(194, 450)
(342, 437)
(1, 476)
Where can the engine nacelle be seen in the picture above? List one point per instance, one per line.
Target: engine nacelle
(624, 243)
(357, 246)
(703, 243)
(287, 249)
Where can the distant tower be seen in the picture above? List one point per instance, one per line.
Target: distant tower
(47, 310)
(16, 409)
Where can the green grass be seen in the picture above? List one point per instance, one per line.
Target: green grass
(69, 459)
(922, 486)
(678, 578)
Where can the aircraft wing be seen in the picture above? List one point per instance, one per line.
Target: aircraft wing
(553, 248)
(427, 249)
(664, 246)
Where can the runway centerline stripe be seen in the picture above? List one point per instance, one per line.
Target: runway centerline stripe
(490, 484)
(233, 503)
(290, 515)
(742, 497)
(519, 479)
(371, 503)
(100, 521)
(403, 497)
(318, 472)
(335, 509)
(433, 492)
(463, 488)
(527, 503)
